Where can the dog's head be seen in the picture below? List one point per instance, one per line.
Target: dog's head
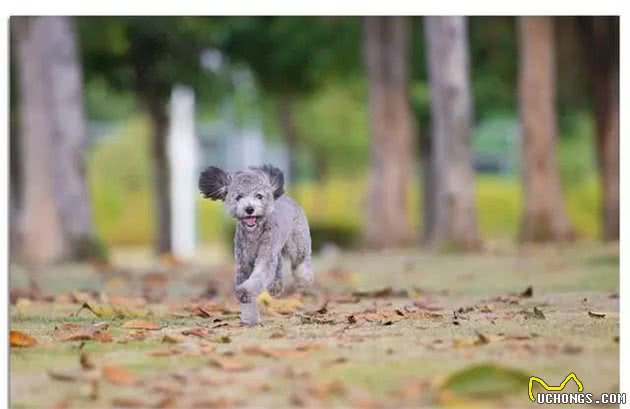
(249, 195)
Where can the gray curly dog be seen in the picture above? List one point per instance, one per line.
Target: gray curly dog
(270, 225)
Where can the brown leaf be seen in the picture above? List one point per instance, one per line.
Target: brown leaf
(378, 293)
(277, 334)
(129, 402)
(117, 375)
(230, 364)
(200, 332)
(86, 306)
(594, 314)
(88, 333)
(423, 305)
(367, 404)
(164, 352)
(220, 403)
(21, 339)
(529, 292)
(65, 376)
(86, 361)
(172, 339)
(538, 313)
(274, 352)
(324, 391)
(336, 361)
(200, 311)
(141, 324)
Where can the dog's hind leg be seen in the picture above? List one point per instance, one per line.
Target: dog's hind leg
(275, 288)
(302, 272)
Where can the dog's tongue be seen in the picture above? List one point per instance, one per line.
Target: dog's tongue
(250, 221)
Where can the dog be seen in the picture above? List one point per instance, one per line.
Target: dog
(269, 225)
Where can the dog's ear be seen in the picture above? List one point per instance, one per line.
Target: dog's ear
(213, 183)
(276, 179)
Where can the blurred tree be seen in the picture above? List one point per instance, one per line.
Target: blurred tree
(455, 220)
(291, 57)
(601, 48)
(55, 218)
(149, 55)
(386, 46)
(544, 216)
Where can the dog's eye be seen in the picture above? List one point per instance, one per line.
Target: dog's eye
(239, 197)
(259, 196)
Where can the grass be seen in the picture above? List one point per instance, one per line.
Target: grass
(376, 363)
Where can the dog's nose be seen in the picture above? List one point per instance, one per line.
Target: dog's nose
(249, 210)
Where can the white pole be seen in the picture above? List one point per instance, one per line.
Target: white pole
(183, 150)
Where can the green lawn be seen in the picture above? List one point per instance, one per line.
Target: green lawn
(444, 313)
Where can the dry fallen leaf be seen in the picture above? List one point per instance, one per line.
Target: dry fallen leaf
(129, 402)
(141, 324)
(529, 291)
(87, 332)
(324, 391)
(172, 339)
(118, 375)
(274, 352)
(86, 361)
(220, 403)
(230, 364)
(201, 332)
(20, 339)
(538, 313)
(164, 352)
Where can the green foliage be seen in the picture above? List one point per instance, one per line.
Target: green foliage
(292, 54)
(118, 175)
(332, 124)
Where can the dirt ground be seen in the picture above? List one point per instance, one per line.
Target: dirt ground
(398, 329)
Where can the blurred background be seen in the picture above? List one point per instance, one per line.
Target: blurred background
(450, 133)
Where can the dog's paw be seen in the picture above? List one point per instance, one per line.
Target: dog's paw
(242, 295)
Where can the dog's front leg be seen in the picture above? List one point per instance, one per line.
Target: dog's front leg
(249, 310)
(261, 277)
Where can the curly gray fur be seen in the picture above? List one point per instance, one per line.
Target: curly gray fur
(270, 225)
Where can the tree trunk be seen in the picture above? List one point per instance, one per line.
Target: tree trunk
(544, 218)
(601, 41)
(286, 121)
(429, 202)
(70, 130)
(55, 214)
(386, 43)
(451, 118)
(161, 175)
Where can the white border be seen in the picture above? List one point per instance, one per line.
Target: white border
(317, 7)
(320, 7)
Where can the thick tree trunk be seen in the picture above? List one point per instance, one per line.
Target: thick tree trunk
(451, 118)
(544, 216)
(161, 176)
(601, 40)
(286, 121)
(386, 42)
(55, 217)
(70, 130)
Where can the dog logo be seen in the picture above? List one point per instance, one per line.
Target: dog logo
(558, 388)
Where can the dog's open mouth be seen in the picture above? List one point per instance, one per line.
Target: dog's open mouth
(250, 222)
